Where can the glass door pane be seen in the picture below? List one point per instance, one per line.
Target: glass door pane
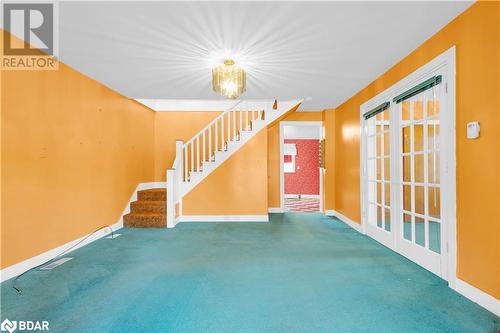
(420, 217)
(379, 170)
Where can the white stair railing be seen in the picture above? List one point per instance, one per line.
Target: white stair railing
(201, 152)
(217, 135)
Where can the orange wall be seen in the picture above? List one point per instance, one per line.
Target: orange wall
(171, 126)
(237, 187)
(476, 35)
(73, 152)
(329, 178)
(273, 148)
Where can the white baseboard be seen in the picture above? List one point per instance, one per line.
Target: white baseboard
(478, 296)
(304, 196)
(345, 219)
(16, 269)
(224, 218)
(23, 266)
(275, 210)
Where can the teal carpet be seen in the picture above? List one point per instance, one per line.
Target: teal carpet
(298, 273)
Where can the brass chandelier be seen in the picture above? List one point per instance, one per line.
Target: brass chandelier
(229, 80)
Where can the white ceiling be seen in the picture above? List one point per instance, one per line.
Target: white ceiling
(324, 50)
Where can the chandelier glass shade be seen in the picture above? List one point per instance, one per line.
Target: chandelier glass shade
(229, 80)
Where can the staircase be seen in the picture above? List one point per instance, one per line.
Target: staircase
(149, 211)
(200, 156)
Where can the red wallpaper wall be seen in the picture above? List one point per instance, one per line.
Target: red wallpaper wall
(305, 180)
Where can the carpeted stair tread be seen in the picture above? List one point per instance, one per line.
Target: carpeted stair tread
(148, 207)
(155, 194)
(149, 211)
(145, 220)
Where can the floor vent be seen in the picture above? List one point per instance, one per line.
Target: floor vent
(113, 236)
(56, 263)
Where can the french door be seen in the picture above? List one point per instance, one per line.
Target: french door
(405, 153)
(420, 236)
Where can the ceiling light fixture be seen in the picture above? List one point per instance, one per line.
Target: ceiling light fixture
(229, 80)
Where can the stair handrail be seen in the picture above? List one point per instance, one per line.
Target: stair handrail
(178, 176)
(223, 113)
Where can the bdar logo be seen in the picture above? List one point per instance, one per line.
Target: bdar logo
(8, 325)
(24, 325)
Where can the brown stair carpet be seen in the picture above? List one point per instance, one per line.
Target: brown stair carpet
(149, 211)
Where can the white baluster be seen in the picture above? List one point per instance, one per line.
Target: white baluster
(234, 125)
(210, 143)
(241, 121)
(228, 127)
(192, 156)
(204, 148)
(198, 153)
(216, 136)
(222, 130)
(186, 163)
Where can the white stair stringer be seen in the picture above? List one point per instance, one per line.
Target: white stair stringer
(182, 178)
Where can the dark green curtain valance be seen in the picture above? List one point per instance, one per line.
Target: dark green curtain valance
(377, 110)
(427, 84)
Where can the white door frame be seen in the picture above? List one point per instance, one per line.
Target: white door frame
(445, 64)
(318, 124)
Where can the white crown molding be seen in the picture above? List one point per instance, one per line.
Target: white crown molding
(196, 105)
(175, 105)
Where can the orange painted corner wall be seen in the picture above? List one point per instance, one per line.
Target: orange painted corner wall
(273, 150)
(476, 35)
(329, 178)
(172, 126)
(73, 152)
(237, 187)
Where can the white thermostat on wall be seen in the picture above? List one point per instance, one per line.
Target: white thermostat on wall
(473, 130)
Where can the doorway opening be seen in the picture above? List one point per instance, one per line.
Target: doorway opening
(301, 175)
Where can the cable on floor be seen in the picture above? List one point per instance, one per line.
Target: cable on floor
(14, 282)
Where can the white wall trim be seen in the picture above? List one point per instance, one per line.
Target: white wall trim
(19, 268)
(224, 218)
(318, 124)
(175, 105)
(478, 296)
(275, 210)
(345, 219)
(195, 105)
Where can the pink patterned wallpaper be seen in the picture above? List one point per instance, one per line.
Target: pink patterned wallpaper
(305, 180)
